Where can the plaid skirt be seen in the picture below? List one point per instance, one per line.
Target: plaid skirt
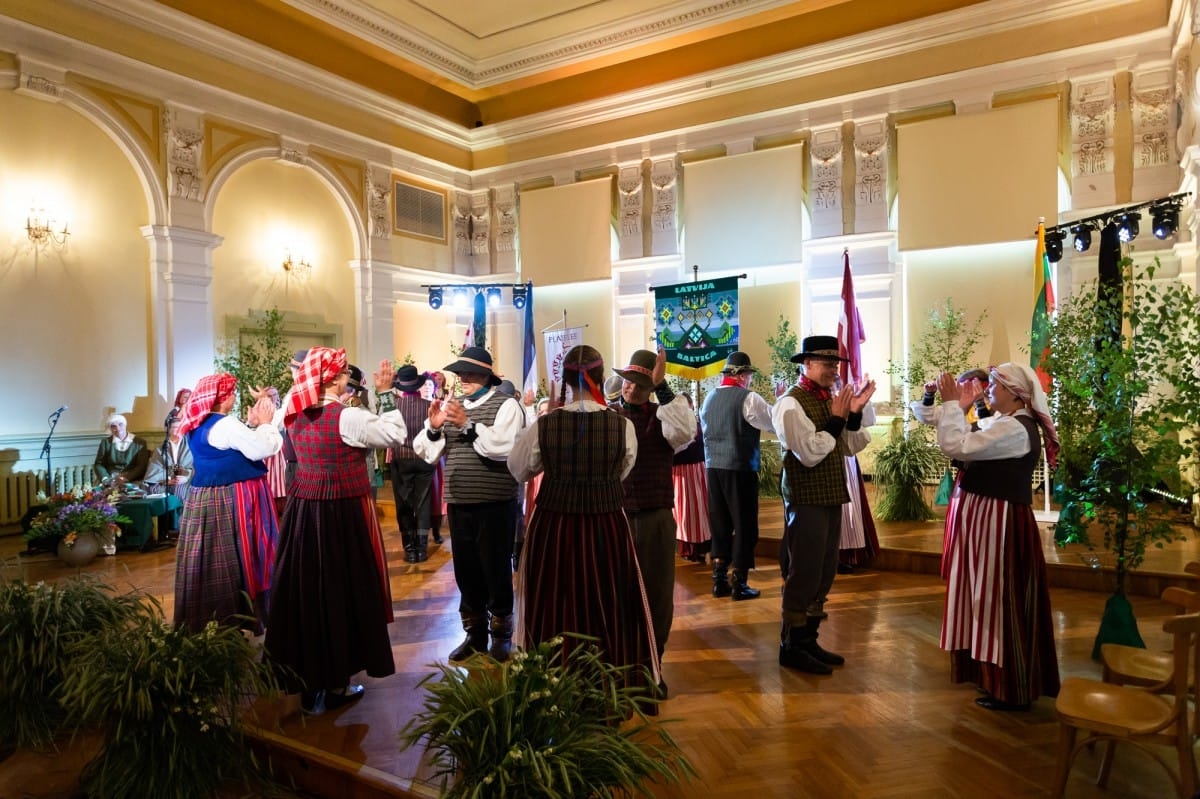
(331, 602)
(226, 549)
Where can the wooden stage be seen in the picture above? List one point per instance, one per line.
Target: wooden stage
(888, 724)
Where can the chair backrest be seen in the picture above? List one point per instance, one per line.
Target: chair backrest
(1186, 600)
(1185, 631)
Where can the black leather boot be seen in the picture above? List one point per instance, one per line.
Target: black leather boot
(476, 640)
(794, 652)
(740, 590)
(502, 633)
(823, 655)
(721, 586)
(421, 546)
(410, 546)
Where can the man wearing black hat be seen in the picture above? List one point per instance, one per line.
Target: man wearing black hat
(818, 427)
(477, 431)
(412, 477)
(732, 419)
(662, 429)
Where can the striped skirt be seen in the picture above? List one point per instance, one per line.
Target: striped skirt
(691, 507)
(277, 474)
(997, 623)
(953, 521)
(579, 574)
(227, 537)
(331, 601)
(859, 542)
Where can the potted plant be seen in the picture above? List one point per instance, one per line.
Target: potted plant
(170, 705)
(39, 624)
(911, 458)
(260, 358)
(77, 524)
(543, 724)
(1126, 368)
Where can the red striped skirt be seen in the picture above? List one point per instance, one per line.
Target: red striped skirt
(691, 503)
(579, 574)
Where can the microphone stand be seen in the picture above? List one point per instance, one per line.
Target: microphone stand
(53, 421)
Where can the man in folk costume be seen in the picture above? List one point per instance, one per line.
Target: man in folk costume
(817, 427)
(332, 600)
(412, 477)
(476, 432)
(733, 418)
(228, 530)
(662, 428)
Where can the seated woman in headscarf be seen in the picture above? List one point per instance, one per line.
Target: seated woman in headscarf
(122, 457)
(228, 530)
(332, 601)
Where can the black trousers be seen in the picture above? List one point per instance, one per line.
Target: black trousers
(482, 551)
(733, 516)
(412, 488)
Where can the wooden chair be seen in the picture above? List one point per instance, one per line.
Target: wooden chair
(1135, 665)
(1139, 716)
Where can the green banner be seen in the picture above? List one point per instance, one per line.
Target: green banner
(697, 324)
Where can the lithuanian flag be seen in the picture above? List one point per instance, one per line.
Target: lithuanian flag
(1043, 306)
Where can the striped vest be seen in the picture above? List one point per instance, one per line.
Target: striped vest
(327, 467)
(825, 483)
(582, 454)
(414, 410)
(1009, 479)
(730, 442)
(470, 477)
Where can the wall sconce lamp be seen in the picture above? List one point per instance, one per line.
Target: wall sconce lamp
(41, 232)
(296, 268)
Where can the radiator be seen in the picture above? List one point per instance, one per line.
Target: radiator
(19, 491)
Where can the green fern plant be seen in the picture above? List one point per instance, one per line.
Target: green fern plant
(902, 467)
(550, 723)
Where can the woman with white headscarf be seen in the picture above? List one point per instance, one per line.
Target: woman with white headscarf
(122, 456)
(997, 625)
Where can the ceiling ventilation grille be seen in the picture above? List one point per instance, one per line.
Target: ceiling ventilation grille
(420, 211)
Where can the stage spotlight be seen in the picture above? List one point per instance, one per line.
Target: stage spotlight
(493, 296)
(519, 297)
(435, 297)
(1129, 225)
(1054, 242)
(460, 298)
(1083, 237)
(1166, 220)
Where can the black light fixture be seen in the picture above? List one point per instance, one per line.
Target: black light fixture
(1083, 237)
(435, 297)
(1129, 225)
(1165, 218)
(493, 296)
(519, 297)
(1054, 245)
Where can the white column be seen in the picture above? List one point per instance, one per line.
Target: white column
(181, 298)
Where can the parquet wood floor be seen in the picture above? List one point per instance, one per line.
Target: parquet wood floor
(888, 724)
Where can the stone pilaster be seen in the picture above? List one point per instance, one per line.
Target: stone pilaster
(1092, 113)
(1155, 160)
(664, 210)
(870, 176)
(630, 210)
(826, 155)
(504, 229)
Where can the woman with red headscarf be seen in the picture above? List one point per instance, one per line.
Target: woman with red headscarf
(228, 528)
(332, 602)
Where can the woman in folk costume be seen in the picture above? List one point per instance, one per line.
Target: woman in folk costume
(579, 571)
(332, 602)
(228, 530)
(997, 624)
(691, 498)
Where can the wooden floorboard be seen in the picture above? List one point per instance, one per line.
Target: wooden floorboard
(888, 724)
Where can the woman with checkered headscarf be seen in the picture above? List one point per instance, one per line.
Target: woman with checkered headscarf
(332, 602)
(997, 625)
(227, 531)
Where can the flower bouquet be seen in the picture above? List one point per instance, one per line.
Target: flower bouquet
(72, 514)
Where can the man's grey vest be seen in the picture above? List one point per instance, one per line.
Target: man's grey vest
(730, 442)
